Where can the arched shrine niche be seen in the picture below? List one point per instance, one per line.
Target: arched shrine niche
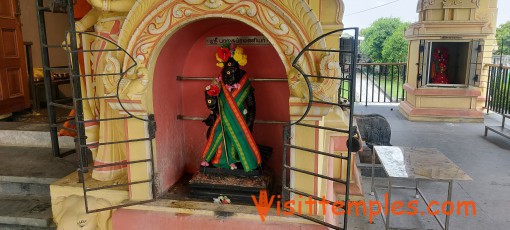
(179, 142)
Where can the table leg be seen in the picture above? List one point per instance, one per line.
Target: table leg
(373, 165)
(417, 194)
(389, 205)
(448, 199)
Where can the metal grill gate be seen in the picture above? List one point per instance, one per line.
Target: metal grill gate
(347, 55)
(66, 6)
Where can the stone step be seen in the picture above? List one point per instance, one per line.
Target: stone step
(21, 227)
(30, 170)
(19, 188)
(29, 135)
(25, 212)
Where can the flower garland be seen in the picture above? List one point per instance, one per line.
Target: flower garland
(222, 200)
(230, 50)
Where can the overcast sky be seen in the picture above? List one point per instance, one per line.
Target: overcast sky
(403, 9)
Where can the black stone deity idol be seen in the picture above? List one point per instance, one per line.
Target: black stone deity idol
(231, 101)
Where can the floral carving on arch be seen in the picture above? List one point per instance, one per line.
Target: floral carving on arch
(288, 24)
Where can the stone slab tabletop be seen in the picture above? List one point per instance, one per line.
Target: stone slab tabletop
(418, 163)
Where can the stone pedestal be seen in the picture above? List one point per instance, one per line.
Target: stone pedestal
(441, 104)
(237, 188)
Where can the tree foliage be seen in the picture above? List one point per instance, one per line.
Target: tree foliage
(395, 47)
(384, 40)
(503, 37)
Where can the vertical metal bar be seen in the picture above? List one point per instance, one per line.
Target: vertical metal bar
(417, 193)
(47, 78)
(478, 64)
(506, 105)
(391, 84)
(487, 90)
(385, 68)
(448, 200)
(153, 167)
(373, 82)
(389, 202)
(507, 76)
(498, 89)
(398, 82)
(373, 172)
(491, 90)
(379, 83)
(366, 87)
(361, 83)
(500, 75)
(351, 129)
(374, 75)
(284, 159)
(420, 52)
(78, 104)
(404, 79)
(493, 93)
(505, 93)
(31, 80)
(502, 91)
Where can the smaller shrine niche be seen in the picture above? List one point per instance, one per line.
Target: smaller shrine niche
(448, 63)
(451, 34)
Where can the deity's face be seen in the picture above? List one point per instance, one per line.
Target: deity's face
(230, 72)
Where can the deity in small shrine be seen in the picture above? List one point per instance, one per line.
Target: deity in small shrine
(231, 100)
(439, 67)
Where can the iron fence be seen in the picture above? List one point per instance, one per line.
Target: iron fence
(380, 82)
(497, 98)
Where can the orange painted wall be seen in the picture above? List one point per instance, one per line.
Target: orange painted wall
(179, 143)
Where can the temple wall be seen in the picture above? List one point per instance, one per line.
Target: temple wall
(56, 25)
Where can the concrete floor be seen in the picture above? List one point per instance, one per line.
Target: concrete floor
(485, 159)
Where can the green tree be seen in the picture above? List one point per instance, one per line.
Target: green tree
(377, 34)
(395, 47)
(503, 37)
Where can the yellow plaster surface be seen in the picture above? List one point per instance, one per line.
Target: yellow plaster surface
(69, 186)
(304, 137)
(139, 171)
(69, 190)
(445, 102)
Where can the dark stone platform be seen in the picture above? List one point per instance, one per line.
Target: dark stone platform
(237, 186)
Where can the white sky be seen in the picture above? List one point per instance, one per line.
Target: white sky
(403, 9)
